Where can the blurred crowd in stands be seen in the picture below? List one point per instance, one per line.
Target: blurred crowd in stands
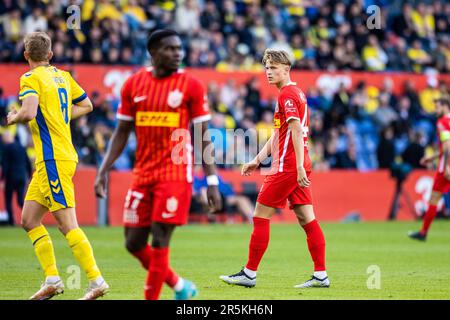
(365, 128)
(232, 35)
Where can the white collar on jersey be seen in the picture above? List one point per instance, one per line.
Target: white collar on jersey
(290, 84)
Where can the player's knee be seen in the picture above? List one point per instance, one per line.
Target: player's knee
(161, 235)
(160, 240)
(28, 223)
(133, 245)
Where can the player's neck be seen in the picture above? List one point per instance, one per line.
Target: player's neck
(161, 73)
(283, 83)
(34, 65)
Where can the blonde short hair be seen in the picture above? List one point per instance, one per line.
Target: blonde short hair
(276, 56)
(38, 45)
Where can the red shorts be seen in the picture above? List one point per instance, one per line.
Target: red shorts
(165, 202)
(282, 186)
(440, 183)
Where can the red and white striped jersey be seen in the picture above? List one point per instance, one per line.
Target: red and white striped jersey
(443, 131)
(158, 107)
(291, 104)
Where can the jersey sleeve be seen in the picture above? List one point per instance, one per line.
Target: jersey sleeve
(29, 86)
(78, 94)
(199, 110)
(294, 106)
(290, 106)
(127, 109)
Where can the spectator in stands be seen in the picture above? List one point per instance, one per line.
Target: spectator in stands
(375, 58)
(398, 57)
(415, 150)
(418, 56)
(36, 21)
(385, 115)
(315, 32)
(428, 95)
(386, 149)
(16, 170)
(187, 17)
(423, 21)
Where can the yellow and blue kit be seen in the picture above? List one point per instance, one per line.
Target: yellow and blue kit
(56, 157)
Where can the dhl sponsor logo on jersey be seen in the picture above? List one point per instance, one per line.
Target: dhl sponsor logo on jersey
(157, 119)
(276, 123)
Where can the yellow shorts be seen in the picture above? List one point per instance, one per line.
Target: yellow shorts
(52, 186)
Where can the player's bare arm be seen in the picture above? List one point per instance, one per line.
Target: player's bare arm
(115, 148)
(299, 148)
(81, 108)
(212, 192)
(26, 113)
(427, 159)
(446, 150)
(251, 166)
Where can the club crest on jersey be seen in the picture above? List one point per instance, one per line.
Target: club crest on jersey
(172, 204)
(175, 98)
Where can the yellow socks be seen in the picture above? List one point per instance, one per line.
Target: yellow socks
(43, 247)
(79, 244)
(82, 251)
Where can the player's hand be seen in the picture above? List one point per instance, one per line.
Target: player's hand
(425, 160)
(447, 173)
(11, 117)
(100, 185)
(249, 167)
(302, 178)
(214, 198)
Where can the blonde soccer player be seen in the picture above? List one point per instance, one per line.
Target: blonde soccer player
(289, 179)
(50, 100)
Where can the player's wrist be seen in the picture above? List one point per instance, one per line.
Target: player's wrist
(212, 180)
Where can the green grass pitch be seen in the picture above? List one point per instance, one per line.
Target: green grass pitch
(408, 269)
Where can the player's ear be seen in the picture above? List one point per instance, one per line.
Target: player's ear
(26, 55)
(50, 55)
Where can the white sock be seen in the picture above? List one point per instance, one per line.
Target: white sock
(179, 285)
(250, 273)
(98, 281)
(52, 279)
(320, 274)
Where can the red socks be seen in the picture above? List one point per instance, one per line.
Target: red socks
(428, 219)
(316, 244)
(258, 242)
(143, 256)
(157, 272)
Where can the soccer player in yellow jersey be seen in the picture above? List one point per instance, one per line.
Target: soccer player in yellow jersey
(50, 100)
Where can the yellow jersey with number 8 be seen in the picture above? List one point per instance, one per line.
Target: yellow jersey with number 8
(50, 129)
